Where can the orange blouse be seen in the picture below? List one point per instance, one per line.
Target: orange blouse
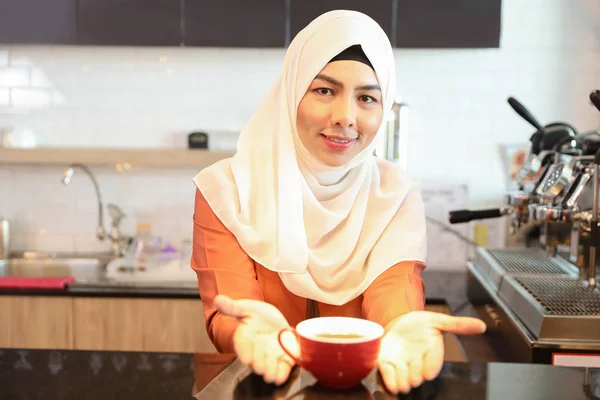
(224, 268)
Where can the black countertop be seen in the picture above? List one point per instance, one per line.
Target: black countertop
(111, 290)
(57, 374)
(441, 287)
(105, 288)
(464, 381)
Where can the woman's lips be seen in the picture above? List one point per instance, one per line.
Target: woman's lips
(338, 143)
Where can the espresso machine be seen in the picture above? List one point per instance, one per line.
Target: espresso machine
(542, 304)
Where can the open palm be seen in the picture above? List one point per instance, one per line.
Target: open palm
(255, 339)
(412, 349)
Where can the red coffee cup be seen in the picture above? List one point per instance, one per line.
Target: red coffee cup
(338, 351)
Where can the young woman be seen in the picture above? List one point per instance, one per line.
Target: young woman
(304, 221)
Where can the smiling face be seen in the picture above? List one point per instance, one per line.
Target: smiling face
(340, 112)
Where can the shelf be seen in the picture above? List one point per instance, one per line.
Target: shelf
(125, 158)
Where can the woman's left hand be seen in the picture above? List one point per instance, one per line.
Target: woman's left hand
(412, 349)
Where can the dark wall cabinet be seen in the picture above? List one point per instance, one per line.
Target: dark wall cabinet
(242, 23)
(302, 12)
(448, 23)
(129, 22)
(38, 21)
(234, 23)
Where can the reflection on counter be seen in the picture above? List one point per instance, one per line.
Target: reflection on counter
(52, 374)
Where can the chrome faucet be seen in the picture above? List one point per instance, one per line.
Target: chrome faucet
(119, 242)
(100, 232)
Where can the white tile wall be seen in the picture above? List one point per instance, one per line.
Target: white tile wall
(152, 97)
(47, 215)
(4, 98)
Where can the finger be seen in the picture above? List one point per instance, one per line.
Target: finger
(258, 359)
(236, 308)
(270, 367)
(243, 345)
(226, 305)
(389, 376)
(284, 367)
(433, 361)
(458, 325)
(245, 308)
(415, 372)
(403, 377)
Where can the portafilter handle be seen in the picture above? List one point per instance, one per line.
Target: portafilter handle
(595, 98)
(462, 216)
(524, 113)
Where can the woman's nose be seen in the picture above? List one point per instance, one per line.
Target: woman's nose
(343, 112)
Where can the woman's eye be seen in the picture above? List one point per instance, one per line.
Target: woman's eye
(323, 91)
(367, 99)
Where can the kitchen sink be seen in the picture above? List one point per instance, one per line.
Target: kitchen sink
(89, 272)
(35, 264)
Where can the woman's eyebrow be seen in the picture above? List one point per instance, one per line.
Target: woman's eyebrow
(329, 79)
(337, 83)
(368, 87)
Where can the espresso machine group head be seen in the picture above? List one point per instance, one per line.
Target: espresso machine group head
(542, 152)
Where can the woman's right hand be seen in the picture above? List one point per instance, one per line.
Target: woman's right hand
(256, 337)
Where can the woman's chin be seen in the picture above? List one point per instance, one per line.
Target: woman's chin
(334, 160)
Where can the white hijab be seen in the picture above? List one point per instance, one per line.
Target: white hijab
(328, 231)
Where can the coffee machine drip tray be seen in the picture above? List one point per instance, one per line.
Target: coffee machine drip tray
(544, 292)
(498, 263)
